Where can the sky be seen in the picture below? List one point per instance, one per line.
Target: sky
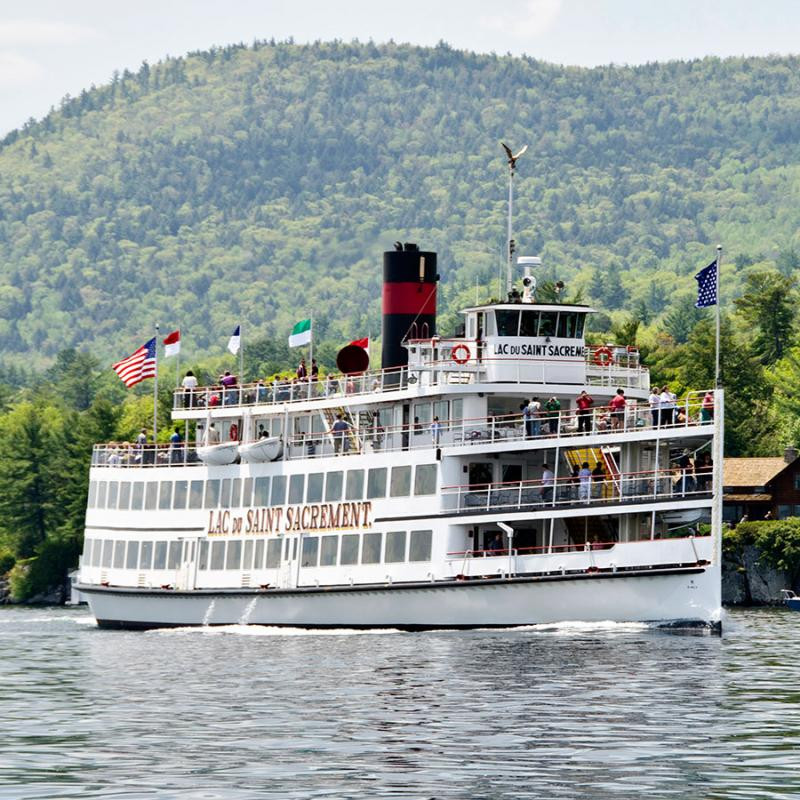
(51, 48)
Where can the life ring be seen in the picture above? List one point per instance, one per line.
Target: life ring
(233, 434)
(457, 354)
(603, 356)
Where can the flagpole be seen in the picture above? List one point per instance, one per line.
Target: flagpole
(241, 356)
(178, 363)
(155, 397)
(716, 366)
(311, 344)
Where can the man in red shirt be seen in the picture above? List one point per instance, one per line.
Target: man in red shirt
(618, 409)
(584, 404)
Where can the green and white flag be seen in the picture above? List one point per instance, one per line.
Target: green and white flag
(301, 333)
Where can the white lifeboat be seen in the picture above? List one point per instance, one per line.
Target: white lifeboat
(267, 449)
(218, 454)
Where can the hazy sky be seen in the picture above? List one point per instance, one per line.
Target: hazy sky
(49, 48)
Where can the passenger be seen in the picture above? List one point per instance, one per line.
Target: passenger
(189, 384)
(574, 483)
(585, 478)
(212, 434)
(584, 404)
(176, 447)
(548, 481)
(230, 395)
(599, 480)
(341, 439)
(331, 385)
(495, 543)
(314, 370)
(350, 386)
(618, 410)
(707, 409)
(535, 412)
(655, 402)
(261, 392)
(553, 409)
(436, 431)
(262, 432)
(667, 406)
(301, 373)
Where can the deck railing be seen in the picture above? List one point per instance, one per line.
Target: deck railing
(570, 424)
(619, 371)
(590, 490)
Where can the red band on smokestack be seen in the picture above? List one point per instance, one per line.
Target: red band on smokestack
(409, 298)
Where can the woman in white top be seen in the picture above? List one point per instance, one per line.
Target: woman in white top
(189, 384)
(655, 400)
(667, 405)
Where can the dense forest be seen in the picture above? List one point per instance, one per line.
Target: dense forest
(250, 184)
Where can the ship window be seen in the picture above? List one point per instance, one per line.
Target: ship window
(247, 557)
(425, 479)
(547, 323)
(327, 554)
(92, 494)
(371, 550)
(119, 555)
(247, 493)
(376, 482)
(179, 496)
(422, 417)
(314, 493)
(579, 326)
(567, 323)
(236, 493)
(294, 548)
(296, 488)
(333, 486)
(355, 484)
(456, 410)
(310, 551)
(146, 555)
(273, 553)
(529, 324)
(113, 490)
(395, 547)
(98, 552)
(217, 555)
(160, 557)
(212, 493)
(151, 495)
(101, 494)
(420, 547)
(258, 560)
(440, 410)
(174, 560)
(278, 490)
(507, 322)
(401, 482)
(261, 492)
(88, 545)
(137, 499)
(165, 496)
(202, 555)
(349, 549)
(108, 552)
(132, 557)
(225, 495)
(234, 558)
(196, 495)
(124, 495)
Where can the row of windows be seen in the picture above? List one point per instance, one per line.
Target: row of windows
(264, 491)
(393, 547)
(561, 325)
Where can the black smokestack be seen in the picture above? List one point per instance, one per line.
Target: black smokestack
(409, 300)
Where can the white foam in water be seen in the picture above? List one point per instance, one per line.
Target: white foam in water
(576, 626)
(268, 630)
(87, 620)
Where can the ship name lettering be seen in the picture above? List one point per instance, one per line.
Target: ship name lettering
(538, 350)
(311, 517)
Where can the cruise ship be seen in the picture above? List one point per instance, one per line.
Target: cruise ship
(461, 485)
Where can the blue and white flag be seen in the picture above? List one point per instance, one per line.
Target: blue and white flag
(707, 286)
(235, 341)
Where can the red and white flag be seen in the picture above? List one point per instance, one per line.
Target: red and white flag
(139, 365)
(172, 344)
(363, 343)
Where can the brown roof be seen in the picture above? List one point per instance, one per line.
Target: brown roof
(751, 471)
(748, 498)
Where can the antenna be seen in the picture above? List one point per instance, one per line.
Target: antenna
(512, 166)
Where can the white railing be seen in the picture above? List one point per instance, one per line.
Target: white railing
(579, 491)
(570, 424)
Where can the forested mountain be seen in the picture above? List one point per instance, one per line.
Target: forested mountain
(251, 184)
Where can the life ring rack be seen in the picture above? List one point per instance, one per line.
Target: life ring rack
(460, 354)
(603, 356)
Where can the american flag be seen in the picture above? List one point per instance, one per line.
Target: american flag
(137, 366)
(707, 286)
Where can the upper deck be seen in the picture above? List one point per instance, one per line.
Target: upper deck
(435, 366)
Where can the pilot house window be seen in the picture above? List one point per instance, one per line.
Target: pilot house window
(507, 322)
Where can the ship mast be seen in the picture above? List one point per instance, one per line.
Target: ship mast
(512, 166)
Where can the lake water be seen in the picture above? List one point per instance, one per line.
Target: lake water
(571, 711)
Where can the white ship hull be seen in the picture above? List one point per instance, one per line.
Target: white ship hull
(678, 597)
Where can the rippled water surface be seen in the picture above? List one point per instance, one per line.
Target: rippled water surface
(572, 711)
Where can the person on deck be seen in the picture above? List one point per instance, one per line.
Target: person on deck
(548, 482)
(176, 447)
(584, 403)
(436, 431)
(655, 404)
(707, 408)
(189, 384)
(553, 409)
(585, 479)
(341, 439)
(617, 405)
(301, 373)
